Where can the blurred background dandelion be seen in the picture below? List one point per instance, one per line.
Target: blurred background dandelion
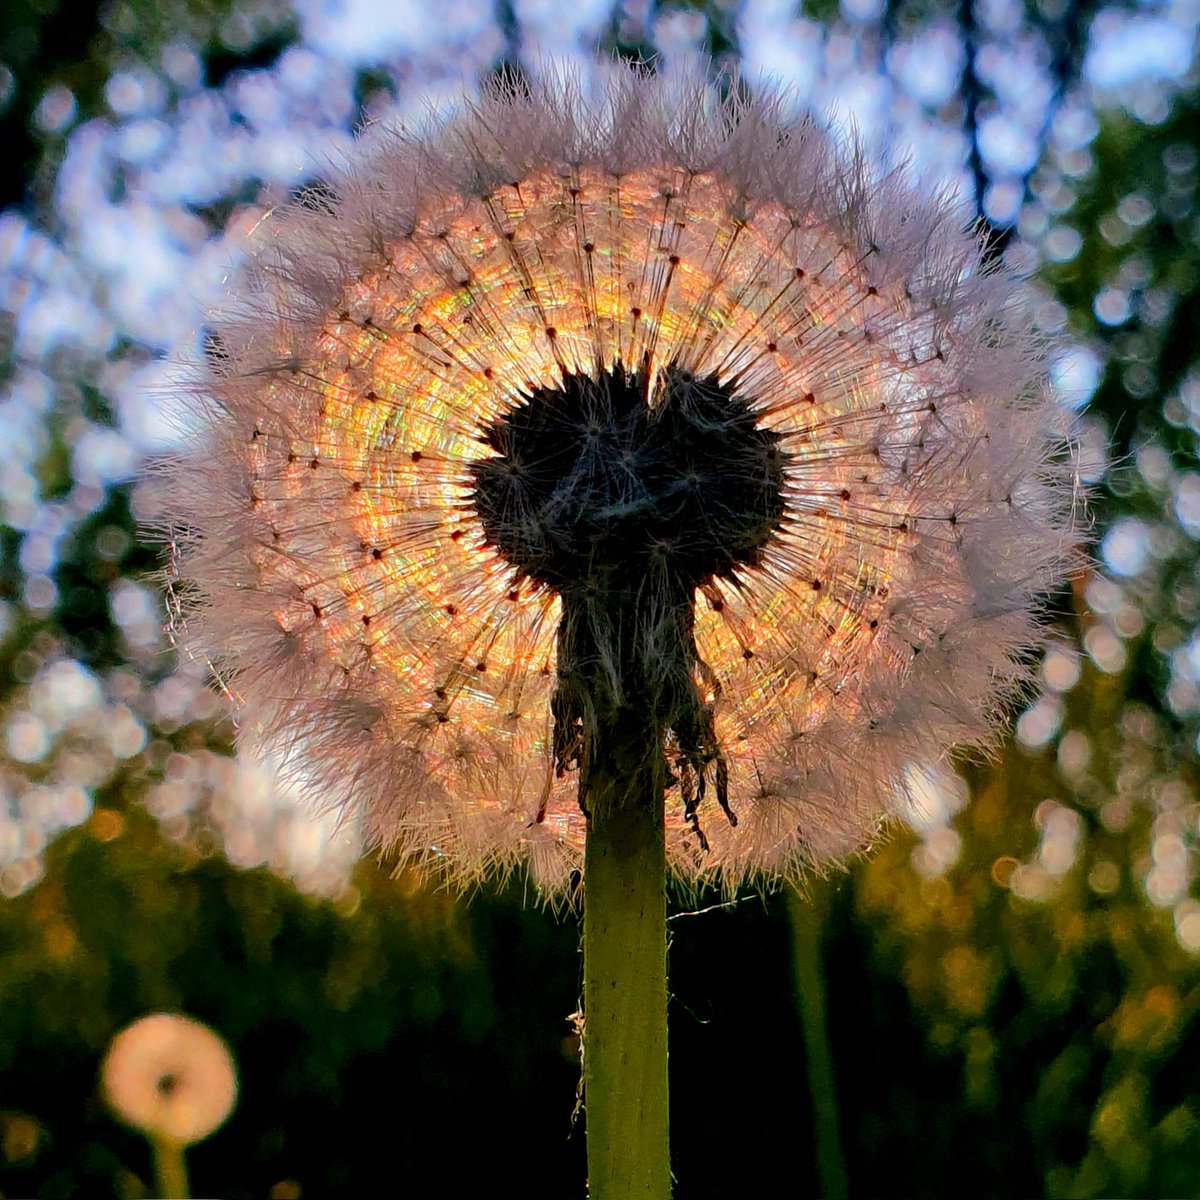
(1006, 995)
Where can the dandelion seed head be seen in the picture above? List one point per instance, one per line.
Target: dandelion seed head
(661, 394)
(171, 1077)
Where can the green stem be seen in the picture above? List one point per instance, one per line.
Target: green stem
(170, 1170)
(805, 914)
(625, 965)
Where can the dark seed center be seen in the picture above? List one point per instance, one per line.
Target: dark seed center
(625, 506)
(593, 486)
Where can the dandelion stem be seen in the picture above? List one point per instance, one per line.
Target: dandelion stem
(806, 913)
(170, 1170)
(625, 963)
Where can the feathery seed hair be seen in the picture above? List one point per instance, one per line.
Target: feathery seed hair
(656, 399)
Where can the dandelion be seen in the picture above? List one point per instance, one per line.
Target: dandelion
(635, 478)
(173, 1079)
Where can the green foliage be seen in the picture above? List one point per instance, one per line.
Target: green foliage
(368, 1032)
(77, 46)
(1137, 216)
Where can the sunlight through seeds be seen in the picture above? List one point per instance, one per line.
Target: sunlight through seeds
(438, 395)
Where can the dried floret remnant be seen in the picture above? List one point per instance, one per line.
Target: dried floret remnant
(625, 494)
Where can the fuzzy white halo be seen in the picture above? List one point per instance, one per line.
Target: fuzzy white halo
(334, 569)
